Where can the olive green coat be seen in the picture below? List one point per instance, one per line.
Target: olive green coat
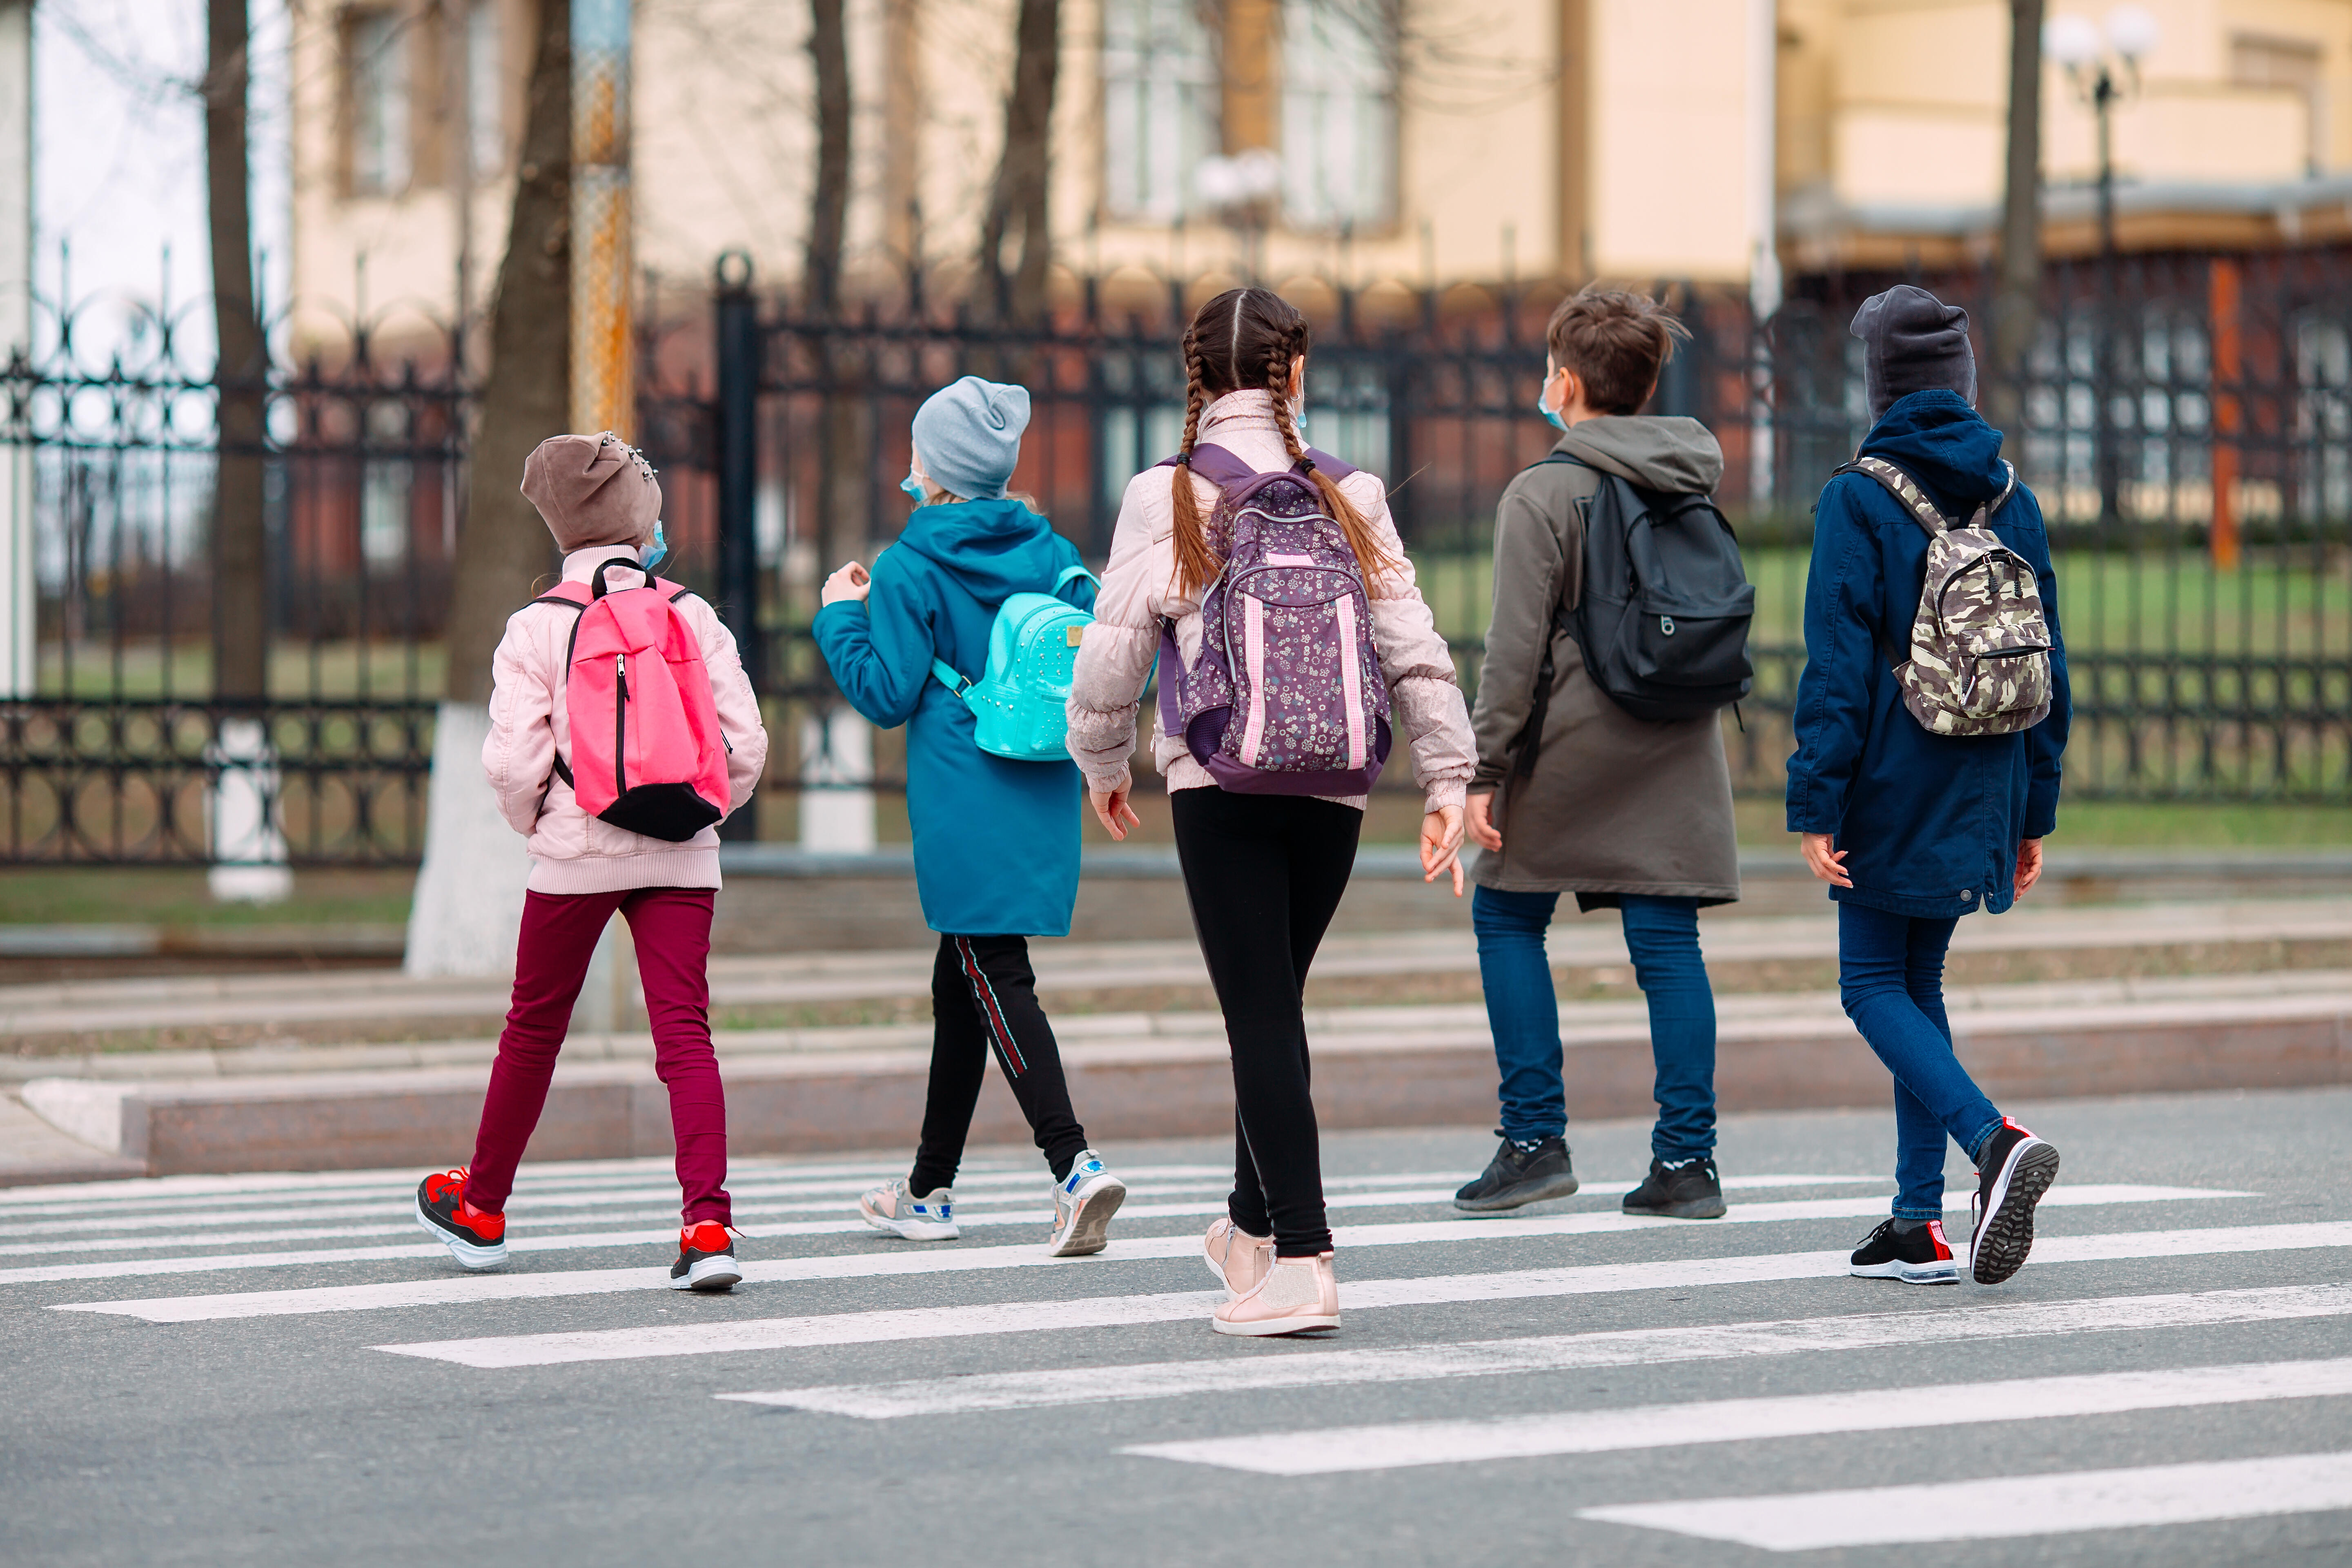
(1616, 804)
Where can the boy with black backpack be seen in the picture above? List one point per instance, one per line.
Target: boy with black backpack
(1930, 719)
(1619, 633)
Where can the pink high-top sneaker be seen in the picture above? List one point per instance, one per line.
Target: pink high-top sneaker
(1296, 1294)
(1237, 1258)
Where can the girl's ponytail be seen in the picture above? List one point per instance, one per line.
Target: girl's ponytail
(1196, 564)
(1371, 558)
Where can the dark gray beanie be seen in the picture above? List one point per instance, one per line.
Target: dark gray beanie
(1913, 341)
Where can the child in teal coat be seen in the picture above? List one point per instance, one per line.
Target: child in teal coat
(996, 841)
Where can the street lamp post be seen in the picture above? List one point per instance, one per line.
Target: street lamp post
(2104, 66)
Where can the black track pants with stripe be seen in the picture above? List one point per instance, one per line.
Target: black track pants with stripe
(984, 998)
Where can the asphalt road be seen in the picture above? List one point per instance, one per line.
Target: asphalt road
(284, 1371)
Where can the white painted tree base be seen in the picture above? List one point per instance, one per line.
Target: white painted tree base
(469, 892)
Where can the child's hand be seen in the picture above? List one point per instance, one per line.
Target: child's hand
(1482, 829)
(852, 582)
(1824, 861)
(1113, 812)
(1441, 846)
(2029, 864)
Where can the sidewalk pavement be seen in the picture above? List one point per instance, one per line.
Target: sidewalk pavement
(2160, 997)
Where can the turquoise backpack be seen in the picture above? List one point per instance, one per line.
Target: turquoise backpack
(1017, 703)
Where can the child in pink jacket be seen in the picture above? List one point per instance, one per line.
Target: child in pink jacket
(599, 501)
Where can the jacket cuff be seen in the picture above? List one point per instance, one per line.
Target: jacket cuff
(1445, 792)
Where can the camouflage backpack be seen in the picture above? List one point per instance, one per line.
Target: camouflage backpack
(1980, 654)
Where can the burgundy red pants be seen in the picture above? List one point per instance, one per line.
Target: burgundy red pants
(672, 930)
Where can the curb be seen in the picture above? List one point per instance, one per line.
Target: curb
(1158, 1087)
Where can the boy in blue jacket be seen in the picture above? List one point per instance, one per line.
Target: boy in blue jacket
(1913, 830)
(996, 841)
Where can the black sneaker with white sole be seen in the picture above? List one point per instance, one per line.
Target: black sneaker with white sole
(1686, 1189)
(1515, 1178)
(2016, 1168)
(706, 1260)
(1920, 1256)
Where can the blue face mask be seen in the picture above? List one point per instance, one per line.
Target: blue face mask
(651, 556)
(913, 487)
(1548, 412)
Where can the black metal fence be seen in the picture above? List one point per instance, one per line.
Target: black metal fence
(2188, 425)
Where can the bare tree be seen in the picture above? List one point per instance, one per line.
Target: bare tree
(527, 397)
(2017, 300)
(1019, 196)
(828, 47)
(240, 602)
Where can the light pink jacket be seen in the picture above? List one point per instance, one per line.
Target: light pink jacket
(570, 851)
(1138, 588)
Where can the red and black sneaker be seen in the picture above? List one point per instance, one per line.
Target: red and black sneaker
(2016, 1168)
(475, 1237)
(706, 1260)
(1918, 1256)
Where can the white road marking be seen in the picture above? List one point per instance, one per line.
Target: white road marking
(2007, 1506)
(1349, 1450)
(1555, 1353)
(1407, 1233)
(1023, 1317)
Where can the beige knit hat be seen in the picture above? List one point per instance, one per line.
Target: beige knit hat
(592, 490)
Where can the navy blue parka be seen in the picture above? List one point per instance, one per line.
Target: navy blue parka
(1931, 822)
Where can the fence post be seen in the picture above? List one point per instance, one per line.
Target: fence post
(737, 331)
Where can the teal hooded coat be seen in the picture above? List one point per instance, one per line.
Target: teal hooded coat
(996, 841)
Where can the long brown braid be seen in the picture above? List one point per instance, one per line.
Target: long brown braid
(1250, 338)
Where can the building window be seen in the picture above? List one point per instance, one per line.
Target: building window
(387, 487)
(486, 90)
(1160, 93)
(1338, 113)
(2291, 65)
(376, 66)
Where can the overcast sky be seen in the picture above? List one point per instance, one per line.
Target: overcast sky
(119, 164)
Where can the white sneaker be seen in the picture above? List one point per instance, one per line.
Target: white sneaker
(1083, 1202)
(893, 1208)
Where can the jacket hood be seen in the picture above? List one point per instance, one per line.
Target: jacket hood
(994, 548)
(1937, 438)
(1657, 452)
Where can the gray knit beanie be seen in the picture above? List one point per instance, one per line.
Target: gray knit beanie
(1913, 341)
(969, 436)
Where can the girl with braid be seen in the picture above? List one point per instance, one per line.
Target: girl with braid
(1263, 871)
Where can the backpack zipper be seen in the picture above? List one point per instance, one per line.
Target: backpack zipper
(620, 721)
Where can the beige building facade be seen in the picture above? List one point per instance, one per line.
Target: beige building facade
(1447, 142)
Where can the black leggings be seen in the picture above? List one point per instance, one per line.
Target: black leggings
(984, 996)
(1264, 873)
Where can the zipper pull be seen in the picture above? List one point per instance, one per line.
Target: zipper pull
(621, 673)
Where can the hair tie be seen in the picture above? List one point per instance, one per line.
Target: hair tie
(1306, 463)
(1184, 459)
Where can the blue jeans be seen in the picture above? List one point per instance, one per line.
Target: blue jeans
(1662, 936)
(1891, 978)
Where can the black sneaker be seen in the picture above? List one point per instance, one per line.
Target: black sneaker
(1918, 1257)
(706, 1260)
(1687, 1189)
(2018, 1169)
(1513, 1179)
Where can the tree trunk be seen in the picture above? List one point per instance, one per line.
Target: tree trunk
(2017, 300)
(527, 397)
(829, 201)
(1020, 195)
(240, 567)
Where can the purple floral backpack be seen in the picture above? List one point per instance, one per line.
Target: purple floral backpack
(1286, 697)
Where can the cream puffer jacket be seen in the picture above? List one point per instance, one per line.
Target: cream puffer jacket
(570, 851)
(1139, 589)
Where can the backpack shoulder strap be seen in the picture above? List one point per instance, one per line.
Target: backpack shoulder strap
(1325, 463)
(945, 674)
(1905, 489)
(1213, 463)
(1070, 574)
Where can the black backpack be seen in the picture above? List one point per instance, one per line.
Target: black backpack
(1663, 620)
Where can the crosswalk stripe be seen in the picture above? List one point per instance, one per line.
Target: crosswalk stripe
(402, 1293)
(1352, 1450)
(1098, 1311)
(2006, 1507)
(1554, 1352)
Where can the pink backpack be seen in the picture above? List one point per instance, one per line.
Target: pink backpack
(645, 747)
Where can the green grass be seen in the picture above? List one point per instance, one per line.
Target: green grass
(2126, 826)
(176, 896)
(327, 669)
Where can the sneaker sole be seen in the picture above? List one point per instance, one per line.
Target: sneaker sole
(910, 1230)
(1518, 1198)
(1088, 1231)
(2002, 1242)
(710, 1275)
(1908, 1273)
(1274, 1328)
(1696, 1208)
(468, 1253)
